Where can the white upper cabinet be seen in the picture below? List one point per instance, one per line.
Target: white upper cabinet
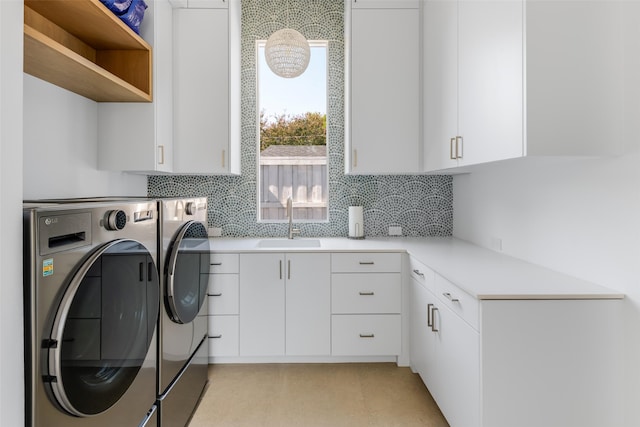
(490, 81)
(381, 4)
(472, 81)
(383, 99)
(200, 4)
(134, 136)
(207, 90)
(513, 78)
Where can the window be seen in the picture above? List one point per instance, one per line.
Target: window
(292, 140)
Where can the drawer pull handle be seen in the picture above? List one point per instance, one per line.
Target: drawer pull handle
(216, 264)
(429, 318)
(433, 320)
(215, 295)
(366, 262)
(216, 336)
(448, 296)
(367, 293)
(367, 336)
(418, 273)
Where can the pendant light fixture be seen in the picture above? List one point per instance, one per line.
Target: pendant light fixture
(287, 52)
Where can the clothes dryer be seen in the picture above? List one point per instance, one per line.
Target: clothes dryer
(183, 348)
(91, 311)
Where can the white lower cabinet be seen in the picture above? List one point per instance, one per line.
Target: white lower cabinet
(444, 348)
(456, 379)
(422, 340)
(525, 363)
(366, 335)
(285, 304)
(223, 336)
(366, 304)
(223, 295)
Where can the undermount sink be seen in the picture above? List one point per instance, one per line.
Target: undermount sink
(289, 243)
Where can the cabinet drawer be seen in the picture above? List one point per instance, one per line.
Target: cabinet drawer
(223, 336)
(223, 293)
(460, 302)
(362, 293)
(223, 263)
(422, 274)
(366, 335)
(366, 262)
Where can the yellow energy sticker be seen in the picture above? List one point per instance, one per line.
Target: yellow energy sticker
(47, 267)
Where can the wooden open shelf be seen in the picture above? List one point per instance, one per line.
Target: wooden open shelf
(82, 46)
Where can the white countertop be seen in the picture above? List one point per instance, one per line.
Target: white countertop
(483, 273)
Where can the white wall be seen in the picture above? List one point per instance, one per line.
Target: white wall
(11, 348)
(61, 147)
(578, 216)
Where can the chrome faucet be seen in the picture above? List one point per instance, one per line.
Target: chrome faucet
(292, 230)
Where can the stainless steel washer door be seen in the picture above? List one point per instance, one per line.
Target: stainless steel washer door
(187, 272)
(103, 328)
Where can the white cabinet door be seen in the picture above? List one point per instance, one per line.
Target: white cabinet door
(285, 304)
(456, 380)
(366, 334)
(135, 136)
(419, 329)
(206, 90)
(262, 304)
(440, 20)
(473, 82)
(308, 310)
(383, 95)
(490, 80)
(223, 336)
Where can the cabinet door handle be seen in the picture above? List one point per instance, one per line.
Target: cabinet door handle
(418, 273)
(215, 295)
(216, 264)
(280, 269)
(161, 149)
(459, 147)
(355, 158)
(216, 336)
(449, 297)
(452, 153)
(367, 336)
(433, 320)
(429, 318)
(366, 262)
(366, 293)
(224, 158)
(289, 269)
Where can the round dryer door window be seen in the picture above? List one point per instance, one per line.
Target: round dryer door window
(104, 327)
(188, 273)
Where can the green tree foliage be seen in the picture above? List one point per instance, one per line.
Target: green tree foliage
(303, 129)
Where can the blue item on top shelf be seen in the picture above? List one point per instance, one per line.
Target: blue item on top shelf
(117, 6)
(131, 12)
(133, 17)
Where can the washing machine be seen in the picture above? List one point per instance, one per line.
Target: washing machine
(92, 300)
(183, 348)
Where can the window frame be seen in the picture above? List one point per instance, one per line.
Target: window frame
(259, 44)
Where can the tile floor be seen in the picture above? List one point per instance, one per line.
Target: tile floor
(316, 395)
